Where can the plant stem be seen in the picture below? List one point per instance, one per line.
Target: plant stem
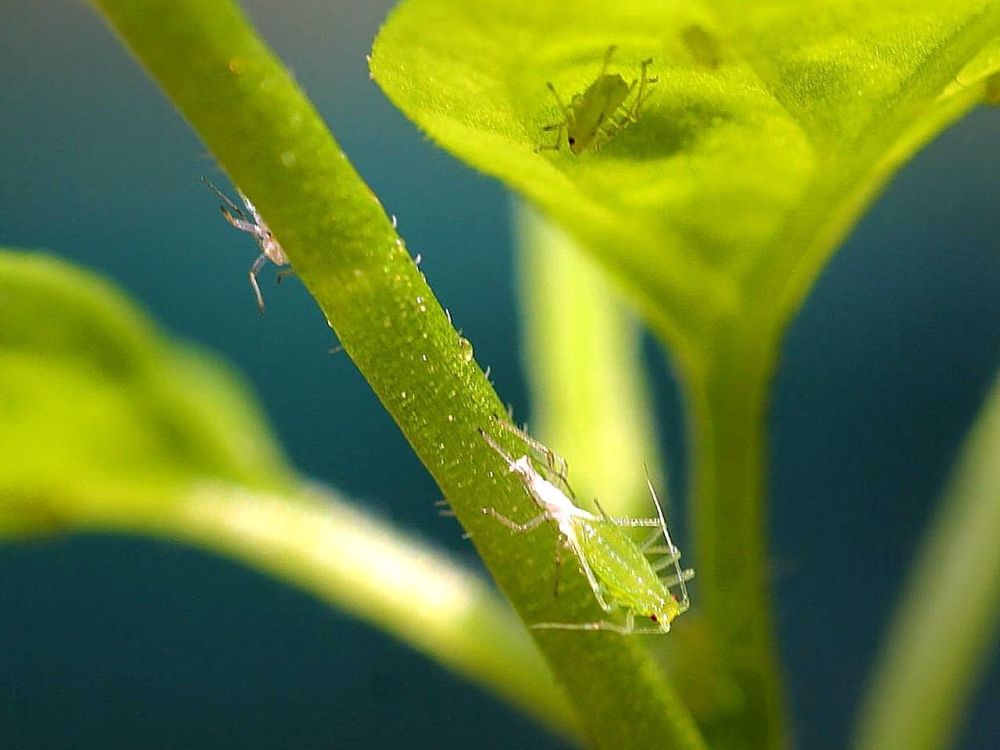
(727, 402)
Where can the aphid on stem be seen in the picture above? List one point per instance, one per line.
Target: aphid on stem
(251, 222)
(617, 569)
(590, 118)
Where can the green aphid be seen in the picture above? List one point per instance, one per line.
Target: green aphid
(991, 91)
(599, 112)
(703, 46)
(620, 574)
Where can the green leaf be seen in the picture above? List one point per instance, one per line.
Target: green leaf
(939, 642)
(109, 428)
(772, 126)
(94, 399)
(684, 204)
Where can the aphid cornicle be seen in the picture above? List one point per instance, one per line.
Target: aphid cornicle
(617, 569)
(251, 222)
(590, 117)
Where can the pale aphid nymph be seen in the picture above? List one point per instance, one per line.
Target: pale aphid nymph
(620, 572)
(594, 116)
(251, 222)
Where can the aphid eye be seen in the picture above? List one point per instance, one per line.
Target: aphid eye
(653, 618)
(572, 140)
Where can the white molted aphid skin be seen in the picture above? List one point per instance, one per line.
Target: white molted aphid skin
(550, 498)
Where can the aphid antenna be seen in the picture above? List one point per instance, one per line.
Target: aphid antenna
(233, 209)
(682, 578)
(600, 509)
(607, 58)
(508, 459)
(562, 106)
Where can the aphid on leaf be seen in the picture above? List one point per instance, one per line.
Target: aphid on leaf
(252, 223)
(991, 93)
(617, 569)
(704, 47)
(601, 110)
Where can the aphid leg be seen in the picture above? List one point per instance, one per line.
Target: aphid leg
(647, 545)
(513, 525)
(444, 508)
(589, 573)
(558, 127)
(633, 112)
(672, 581)
(628, 628)
(669, 559)
(254, 271)
(599, 625)
(283, 274)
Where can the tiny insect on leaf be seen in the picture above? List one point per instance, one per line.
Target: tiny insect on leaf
(596, 115)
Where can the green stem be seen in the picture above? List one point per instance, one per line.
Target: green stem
(728, 377)
(269, 138)
(949, 615)
(728, 408)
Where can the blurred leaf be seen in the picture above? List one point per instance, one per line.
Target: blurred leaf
(771, 127)
(107, 427)
(946, 626)
(91, 398)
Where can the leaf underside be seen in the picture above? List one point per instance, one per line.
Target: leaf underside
(687, 206)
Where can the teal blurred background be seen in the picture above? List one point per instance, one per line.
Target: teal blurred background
(120, 642)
